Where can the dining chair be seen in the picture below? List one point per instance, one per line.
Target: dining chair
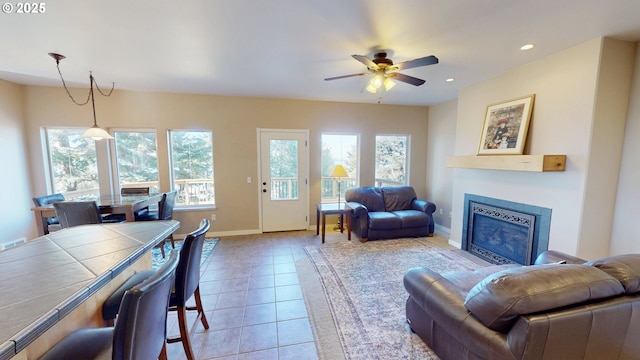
(134, 191)
(186, 285)
(141, 330)
(52, 221)
(74, 213)
(165, 212)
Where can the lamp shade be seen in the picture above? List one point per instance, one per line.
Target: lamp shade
(338, 171)
(96, 133)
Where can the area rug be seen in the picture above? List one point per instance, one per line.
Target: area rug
(158, 260)
(366, 297)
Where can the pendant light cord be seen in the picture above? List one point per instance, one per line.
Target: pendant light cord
(90, 95)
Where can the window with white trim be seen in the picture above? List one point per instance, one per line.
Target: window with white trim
(339, 149)
(191, 157)
(136, 158)
(72, 162)
(392, 160)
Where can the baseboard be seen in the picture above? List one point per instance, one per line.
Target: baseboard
(442, 231)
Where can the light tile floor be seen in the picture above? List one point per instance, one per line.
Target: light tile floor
(253, 300)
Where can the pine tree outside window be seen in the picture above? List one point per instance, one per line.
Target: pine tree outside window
(72, 165)
(392, 160)
(136, 159)
(191, 156)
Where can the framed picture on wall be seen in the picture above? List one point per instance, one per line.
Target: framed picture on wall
(505, 127)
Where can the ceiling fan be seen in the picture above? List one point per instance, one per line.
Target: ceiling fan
(384, 70)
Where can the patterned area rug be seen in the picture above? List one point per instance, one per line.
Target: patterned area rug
(158, 260)
(366, 296)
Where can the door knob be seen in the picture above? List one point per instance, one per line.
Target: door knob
(264, 183)
(264, 190)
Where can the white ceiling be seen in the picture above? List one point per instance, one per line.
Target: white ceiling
(285, 48)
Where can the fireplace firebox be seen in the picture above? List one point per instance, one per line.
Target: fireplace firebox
(504, 232)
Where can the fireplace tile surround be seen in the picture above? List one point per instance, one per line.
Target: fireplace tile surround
(519, 232)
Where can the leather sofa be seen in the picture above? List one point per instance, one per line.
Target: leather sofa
(560, 308)
(388, 212)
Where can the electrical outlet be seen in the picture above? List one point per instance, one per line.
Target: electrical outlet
(213, 217)
(449, 213)
(441, 212)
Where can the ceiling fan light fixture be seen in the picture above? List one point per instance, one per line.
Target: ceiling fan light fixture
(388, 84)
(371, 88)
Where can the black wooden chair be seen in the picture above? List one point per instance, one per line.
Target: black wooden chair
(74, 213)
(186, 285)
(141, 329)
(52, 222)
(165, 212)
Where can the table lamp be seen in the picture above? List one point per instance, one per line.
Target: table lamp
(339, 172)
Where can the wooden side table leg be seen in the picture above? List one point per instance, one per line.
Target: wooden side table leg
(324, 217)
(317, 221)
(341, 223)
(348, 215)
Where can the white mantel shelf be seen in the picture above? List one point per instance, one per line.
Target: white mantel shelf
(536, 163)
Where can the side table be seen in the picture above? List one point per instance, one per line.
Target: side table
(322, 210)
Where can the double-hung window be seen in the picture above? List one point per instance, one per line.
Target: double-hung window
(72, 166)
(191, 157)
(339, 149)
(392, 160)
(136, 157)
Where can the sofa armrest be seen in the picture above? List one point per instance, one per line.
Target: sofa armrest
(424, 206)
(444, 302)
(357, 209)
(553, 256)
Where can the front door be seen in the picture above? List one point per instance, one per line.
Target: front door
(284, 185)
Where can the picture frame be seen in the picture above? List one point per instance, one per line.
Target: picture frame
(505, 127)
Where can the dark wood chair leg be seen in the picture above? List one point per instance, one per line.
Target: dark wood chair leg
(184, 333)
(163, 352)
(203, 317)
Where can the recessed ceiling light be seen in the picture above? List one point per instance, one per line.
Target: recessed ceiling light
(450, 80)
(527, 47)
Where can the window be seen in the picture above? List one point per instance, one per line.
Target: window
(283, 160)
(191, 156)
(392, 153)
(338, 149)
(136, 159)
(73, 166)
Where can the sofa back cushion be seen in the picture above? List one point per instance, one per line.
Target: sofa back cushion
(499, 299)
(625, 268)
(370, 196)
(398, 197)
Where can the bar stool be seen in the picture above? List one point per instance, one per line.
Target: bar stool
(186, 285)
(141, 329)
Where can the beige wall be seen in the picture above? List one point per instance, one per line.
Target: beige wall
(15, 193)
(233, 121)
(577, 91)
(441, 143)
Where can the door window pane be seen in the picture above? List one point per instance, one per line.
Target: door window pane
(192, 167)
(72, 162)
(283, 164)
(338, 149)
(137, 159)
(391, 160)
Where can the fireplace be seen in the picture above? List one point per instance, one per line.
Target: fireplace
(504, 232)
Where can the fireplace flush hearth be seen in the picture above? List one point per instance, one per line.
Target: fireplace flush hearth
(504, 232)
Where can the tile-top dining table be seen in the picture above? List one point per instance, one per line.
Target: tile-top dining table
(115, 204)
(57, 283)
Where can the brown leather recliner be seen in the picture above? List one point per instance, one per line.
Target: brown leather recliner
(559, 308)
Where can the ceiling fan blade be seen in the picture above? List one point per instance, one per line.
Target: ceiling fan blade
(345, 76)
(428, 60)
(367, 62)
(408, 79)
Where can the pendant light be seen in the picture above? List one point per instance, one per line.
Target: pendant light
(95, 132)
